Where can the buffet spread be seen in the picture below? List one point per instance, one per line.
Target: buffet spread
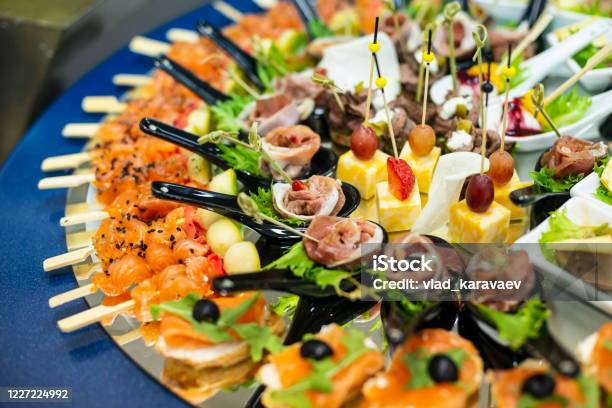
(276, 154)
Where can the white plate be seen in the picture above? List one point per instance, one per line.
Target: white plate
(581, 212)
(586, 189)
(593, 81)
(601, 107)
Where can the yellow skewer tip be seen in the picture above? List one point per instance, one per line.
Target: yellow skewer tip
(381, 82)
(428, 56)
(509, 72)
(374, 47)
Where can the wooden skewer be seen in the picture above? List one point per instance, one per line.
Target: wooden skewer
(67, 259)
(266, 4)
(66, 161)
(131, 80)
(591, 63)
(71, 295)
(73, 180)
(80, 130)
(82, 218)
(149, 47)
(93, 315)
(533, 34)
(182, 35)
(102, 104)
(228, 10)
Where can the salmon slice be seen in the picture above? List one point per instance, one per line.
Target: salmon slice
(390, 389)
(122, 274)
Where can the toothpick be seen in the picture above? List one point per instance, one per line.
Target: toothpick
(450, 11)
(327, 83)
(93, 315)
(250, 208)
(374, 47)
(381, 82)
(426, 89)
(537, 97)
(506, 99)
(601, 55)
(480, 41)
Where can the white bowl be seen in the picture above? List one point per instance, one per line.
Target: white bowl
(593, 81)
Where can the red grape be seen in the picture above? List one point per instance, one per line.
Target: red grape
(364, 142)
(422, 139)
(501, 167)
(479, 193)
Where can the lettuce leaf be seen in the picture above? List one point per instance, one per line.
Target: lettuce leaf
(318, 29)
(587, 52)
(298, 262)
(225, 114)
(263, 199)
(562, 228)
(545, 180)
(603, 194)
(568, 108)
(241, 158)
(516, 328)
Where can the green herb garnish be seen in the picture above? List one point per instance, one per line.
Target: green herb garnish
(516, 328)
(322, 373)
(270, 63)
(285, 305)
(319, 29)
(264, 200)
(241, 158)
(298, 262)
(225, 114)
(546, 181)
(259, 338)
(590, 390)
(568, 108)
(529, 401)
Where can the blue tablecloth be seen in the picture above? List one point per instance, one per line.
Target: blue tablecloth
(33, 352)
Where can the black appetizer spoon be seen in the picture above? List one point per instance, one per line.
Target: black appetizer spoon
(542, 203)
(246, 62)
(227, 205)
(307, 14)
(544, 347)
(191, 81)
(323, 163)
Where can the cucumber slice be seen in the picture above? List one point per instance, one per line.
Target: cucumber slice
(222, 234)
(206, 218)
(241, 257)
(198, 121)
(198, 168)
(225, 183)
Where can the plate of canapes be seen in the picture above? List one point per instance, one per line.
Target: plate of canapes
(233, 194)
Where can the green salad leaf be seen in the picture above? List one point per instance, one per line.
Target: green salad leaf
(264, 200)
(600, 166)
(241, 158)
(562, 228)
(518, 327)
(568, 108)
(603, 194)
(285, 305)
(590, 7)
(271, 63)
(582, 56)
(319, 29)
(546, 181)
(590, 390)
(322, 373)
(529, 401)
(298, 262)
(259, 338)
(225, 114)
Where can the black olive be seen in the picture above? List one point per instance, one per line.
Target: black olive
(205, 310)
(442, 369)
(539, 386)
(487, 87)
(315, 349)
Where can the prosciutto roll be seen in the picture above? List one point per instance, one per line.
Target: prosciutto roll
(292, 147)
(318, 195)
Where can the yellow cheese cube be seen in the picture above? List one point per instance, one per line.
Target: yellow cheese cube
(422, 166)
(394, 214)
(502, 196)
(366, 210)
(363, 174)
(466, 226)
